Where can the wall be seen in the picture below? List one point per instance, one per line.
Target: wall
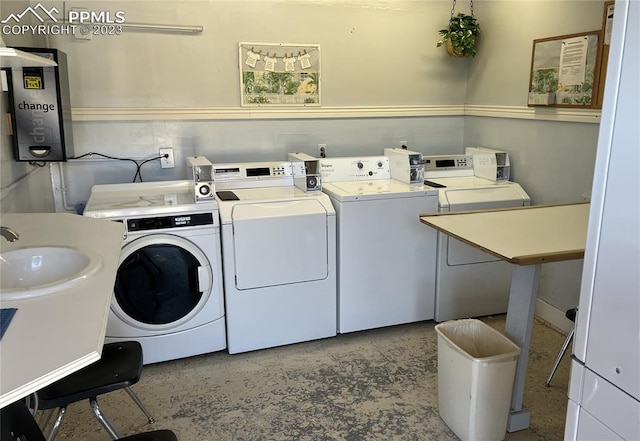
(382, 81)
(552, 160)
(23, 187)
(372, 53)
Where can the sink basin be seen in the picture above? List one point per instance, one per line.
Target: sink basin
(33, 272)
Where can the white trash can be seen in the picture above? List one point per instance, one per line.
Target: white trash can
(476, 372)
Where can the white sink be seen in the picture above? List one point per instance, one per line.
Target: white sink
(37, 271)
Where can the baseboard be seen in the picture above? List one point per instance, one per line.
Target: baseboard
(553, 316)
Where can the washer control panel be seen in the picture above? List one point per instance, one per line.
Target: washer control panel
(253, 175)
(442, 166)
(448, 162)
(251, 171)
(364, 168)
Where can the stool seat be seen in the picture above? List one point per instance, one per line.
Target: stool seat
(119, 367)
(154, 435)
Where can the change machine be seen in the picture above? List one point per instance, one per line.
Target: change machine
(40, 107)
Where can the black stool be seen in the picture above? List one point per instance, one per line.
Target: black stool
(571, 315)
(119, 367)
(19, 425)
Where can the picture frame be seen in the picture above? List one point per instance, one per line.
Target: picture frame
(565, 71)
(279, 74)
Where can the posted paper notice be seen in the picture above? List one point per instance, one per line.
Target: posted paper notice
(573, 61)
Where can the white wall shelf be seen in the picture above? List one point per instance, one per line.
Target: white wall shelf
(15, 58)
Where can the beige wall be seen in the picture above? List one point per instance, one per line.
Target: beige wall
(372, 53)
(499, 74)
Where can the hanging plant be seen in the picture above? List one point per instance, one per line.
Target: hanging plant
(461, 36)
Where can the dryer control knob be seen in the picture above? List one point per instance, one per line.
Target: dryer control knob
(360, 165)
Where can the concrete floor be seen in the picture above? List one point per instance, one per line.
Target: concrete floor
(371, 385)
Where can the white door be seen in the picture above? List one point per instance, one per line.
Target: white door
(278, 243)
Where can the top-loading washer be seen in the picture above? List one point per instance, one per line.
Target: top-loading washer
(168, 293)
(279, 257)
(386, 259)
(469, 282)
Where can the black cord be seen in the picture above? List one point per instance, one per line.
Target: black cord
(138, 164)
(139, 171)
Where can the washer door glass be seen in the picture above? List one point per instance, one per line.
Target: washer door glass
(162, 280)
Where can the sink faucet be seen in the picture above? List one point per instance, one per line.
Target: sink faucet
(9, 234)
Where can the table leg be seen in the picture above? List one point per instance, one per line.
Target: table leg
(519, 324)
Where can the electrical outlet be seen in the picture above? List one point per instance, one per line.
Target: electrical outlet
(322, 150)
(166, 162)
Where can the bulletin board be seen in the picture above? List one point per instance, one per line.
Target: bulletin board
(273, 74)
(565, 71)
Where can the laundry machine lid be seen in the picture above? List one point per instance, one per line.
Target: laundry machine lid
(111, 201)
(457, 199)
(269, 195)
(375, 189)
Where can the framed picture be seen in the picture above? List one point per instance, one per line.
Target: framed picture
(279, 74)
(565, 71)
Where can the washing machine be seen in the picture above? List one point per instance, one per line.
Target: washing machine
(469, 282)
(168, 292)
(279, 257)
(386, 258)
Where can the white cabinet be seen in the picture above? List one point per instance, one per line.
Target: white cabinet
(604, 393)
(613, 349)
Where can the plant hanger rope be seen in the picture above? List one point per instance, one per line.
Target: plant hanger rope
(453, 9)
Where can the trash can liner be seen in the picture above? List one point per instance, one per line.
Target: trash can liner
(477, 341)
(476, 372)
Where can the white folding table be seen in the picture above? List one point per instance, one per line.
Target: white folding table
(526, 237)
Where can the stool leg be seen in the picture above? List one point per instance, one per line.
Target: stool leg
(56, 424)
(135, 398)
(103, 419)
(560, 355)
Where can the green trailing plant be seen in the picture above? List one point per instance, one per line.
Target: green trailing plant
(461, 36)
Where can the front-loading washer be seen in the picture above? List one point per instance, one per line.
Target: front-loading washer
(469, 282)
(386, 259)
(168, 293)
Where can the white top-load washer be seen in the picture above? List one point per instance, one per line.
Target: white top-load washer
(279, 254)
(469, 282)
(386, 258)
(168, 293)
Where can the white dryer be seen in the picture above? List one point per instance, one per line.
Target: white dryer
(279, 254)
(168, 293)
(469, 282)
(386, 259)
